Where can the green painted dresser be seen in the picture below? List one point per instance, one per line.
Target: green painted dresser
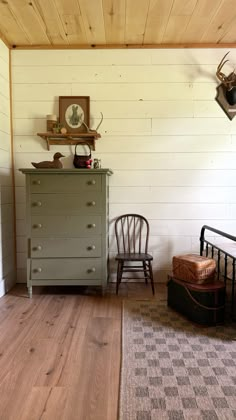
(67, 226)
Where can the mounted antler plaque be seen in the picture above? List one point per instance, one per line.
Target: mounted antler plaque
(226, 91)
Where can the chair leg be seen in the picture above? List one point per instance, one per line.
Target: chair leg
(145, 271)
(119, 275)
(151, 277)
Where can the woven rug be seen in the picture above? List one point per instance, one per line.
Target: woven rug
(174, 370)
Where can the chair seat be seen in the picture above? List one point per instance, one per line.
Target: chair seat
(134, 257)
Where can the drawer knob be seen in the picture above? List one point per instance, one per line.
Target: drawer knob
(37, 248)
(91, 247)
(92, 182)
(92, 203)
(91, 225)
(37, 226)
(37, 182)
(92, 270)
(38, 270)
(37, 204)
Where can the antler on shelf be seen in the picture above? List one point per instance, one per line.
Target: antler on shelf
(89, 130)
(96, 129)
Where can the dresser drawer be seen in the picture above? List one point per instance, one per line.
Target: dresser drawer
(66, 268)
(65, 226)
(65, 183)
(69, 204)
(65, 247)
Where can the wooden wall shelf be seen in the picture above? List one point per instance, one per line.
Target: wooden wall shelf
(70, 138)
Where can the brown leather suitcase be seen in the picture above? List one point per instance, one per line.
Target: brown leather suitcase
(203, 304)
(193, 268)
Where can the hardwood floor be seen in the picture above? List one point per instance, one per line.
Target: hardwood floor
(60, 352)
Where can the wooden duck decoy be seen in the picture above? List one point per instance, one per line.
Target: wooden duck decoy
(55, 163)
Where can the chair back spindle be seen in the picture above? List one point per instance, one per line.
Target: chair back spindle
(132, 234)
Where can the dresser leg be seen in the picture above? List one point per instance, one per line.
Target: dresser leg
(30, 291)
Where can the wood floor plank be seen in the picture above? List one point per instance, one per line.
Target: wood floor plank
(60, 353)
(91, 381)
(44, 403)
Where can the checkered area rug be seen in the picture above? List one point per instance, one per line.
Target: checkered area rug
(174, 370)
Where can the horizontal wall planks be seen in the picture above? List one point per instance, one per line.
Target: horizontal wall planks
(122, 109)
(170, 195)
(5, 159)
(4, 144)
(177, 211)
(5, 123)
(173, 178)
(199, 126)
(4, 54)
(105, 91)
(35, 109)
(169, 144)
(142, 143)
(40, 92)
(167, 161)
(4, 65)
(4, 87)
(147, 161)
(127, 109)
(5, 177)
(161, 143)
(4, 106)
(179, 228)
(143, 126)
(132, 126)
(117, 74)
(135, 57)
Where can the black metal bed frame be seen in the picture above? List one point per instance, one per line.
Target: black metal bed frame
(210, 249)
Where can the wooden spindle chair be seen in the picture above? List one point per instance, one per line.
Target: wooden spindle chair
(132, 235)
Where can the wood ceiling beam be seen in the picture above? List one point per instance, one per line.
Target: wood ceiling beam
(123, 46)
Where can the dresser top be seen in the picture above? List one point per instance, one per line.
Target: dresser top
(73, 171)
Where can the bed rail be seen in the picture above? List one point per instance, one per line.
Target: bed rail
(217, 251)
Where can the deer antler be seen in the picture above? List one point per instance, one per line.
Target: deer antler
(228, 81)
(89, 130)
(96, 129)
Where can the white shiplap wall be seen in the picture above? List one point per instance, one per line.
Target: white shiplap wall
(170, 145)
(7, 249)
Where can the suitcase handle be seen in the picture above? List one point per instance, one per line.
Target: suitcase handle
(199, 304)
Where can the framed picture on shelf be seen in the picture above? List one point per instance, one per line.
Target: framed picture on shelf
(74, 113)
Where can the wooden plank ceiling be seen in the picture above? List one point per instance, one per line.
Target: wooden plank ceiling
(117, 23)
